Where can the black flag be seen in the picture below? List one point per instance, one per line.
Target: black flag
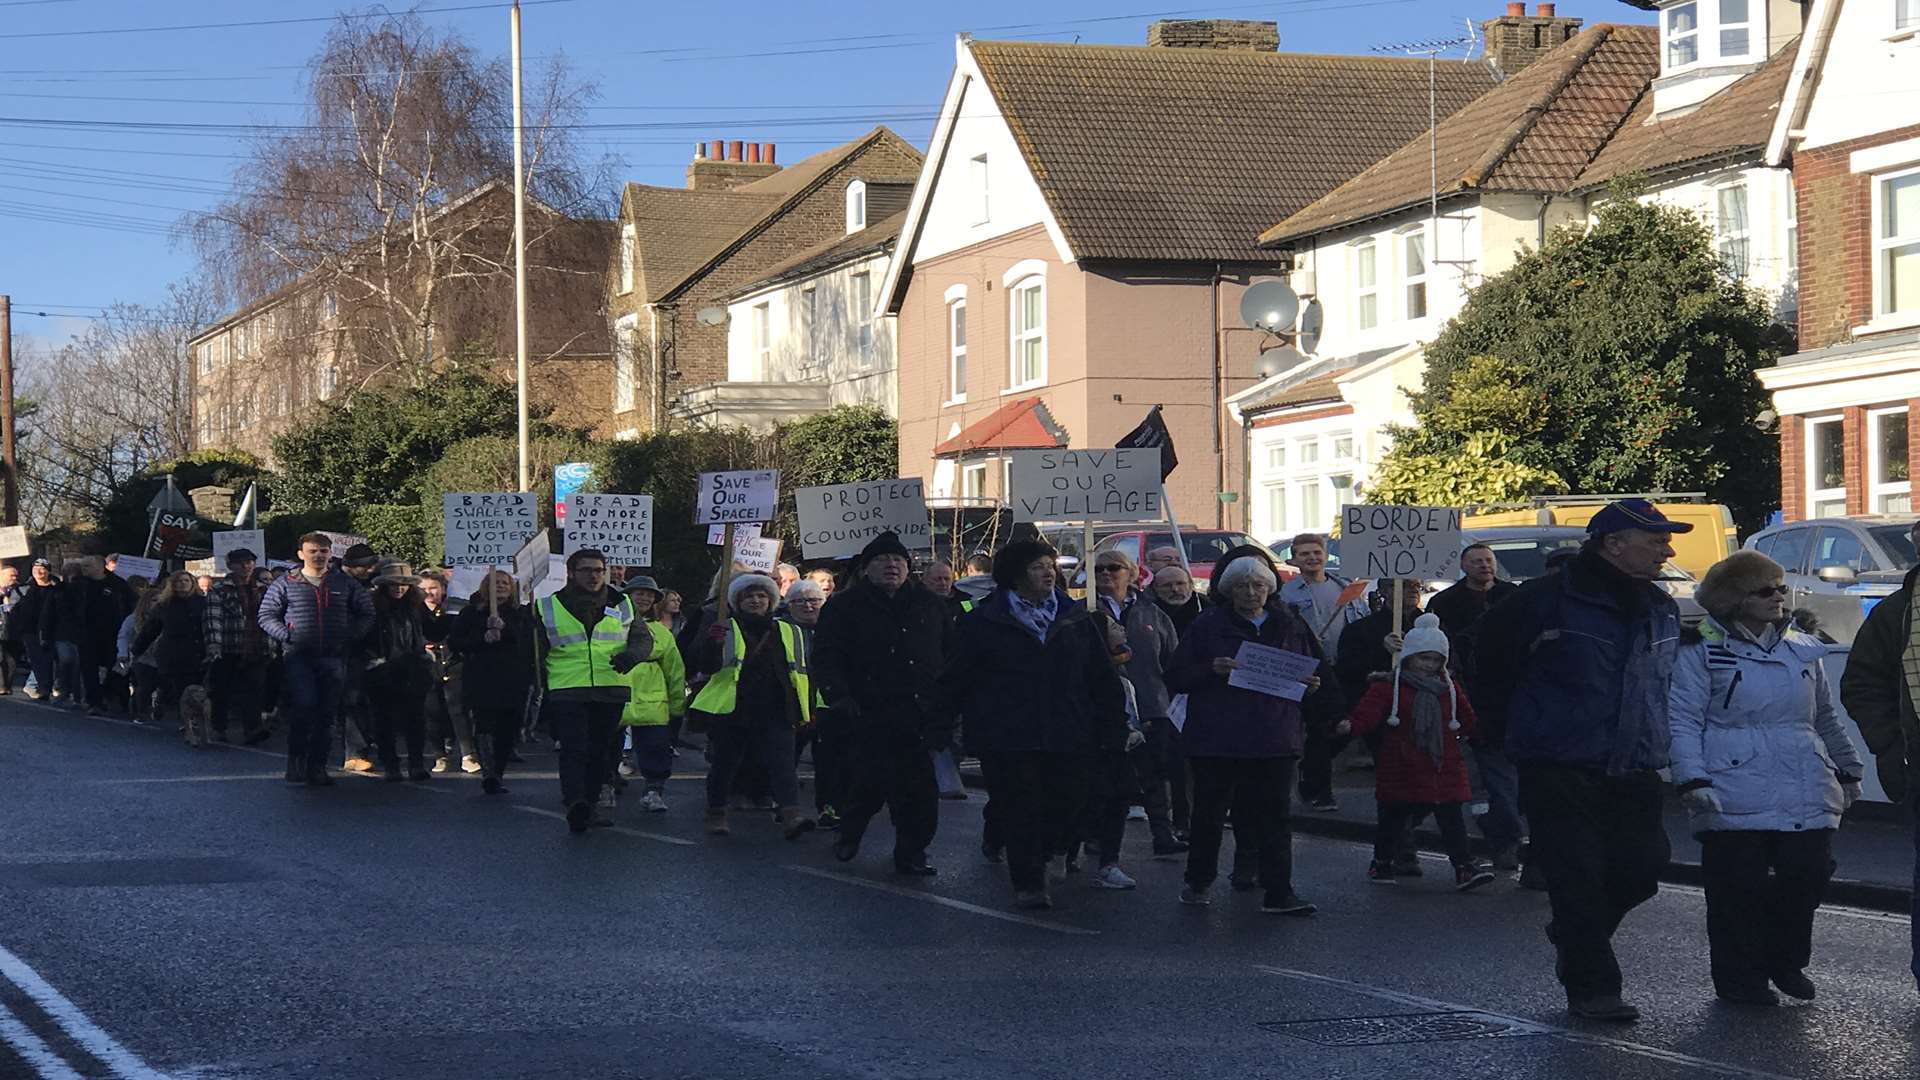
(1153, 432)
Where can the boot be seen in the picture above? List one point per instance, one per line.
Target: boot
(717, 821)
(795, 823)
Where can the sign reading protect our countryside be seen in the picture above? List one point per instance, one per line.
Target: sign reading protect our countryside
(1087, 485)
(485, 528)
(747, 495)
(838, 520)
(619, 526)
(1399, 541)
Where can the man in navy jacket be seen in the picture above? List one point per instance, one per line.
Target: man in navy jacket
(317, 615)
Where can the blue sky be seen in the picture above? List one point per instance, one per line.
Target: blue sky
(84, 213)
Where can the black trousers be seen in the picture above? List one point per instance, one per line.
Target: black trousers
(10, 655)
(732, 746)
(1762, 891)
(1260, 791)
(1164, 739)
(1601, 843)
(397, 711)
(498, 731)
(1395, 820)
(236, 687)
(584, 730)
(1115, 782)
(887, 770)
(1034, 799)
(448, 725)
(829, 765)
(1316, 761)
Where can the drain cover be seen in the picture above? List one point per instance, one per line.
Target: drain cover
(1403, 1028)
(128, 873)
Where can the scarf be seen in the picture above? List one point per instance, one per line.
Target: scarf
(1429, 725)
(1035, 617)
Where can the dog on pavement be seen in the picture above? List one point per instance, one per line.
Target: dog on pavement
(196, 715)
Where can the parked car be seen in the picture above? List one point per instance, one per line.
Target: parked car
(1838, 568)
(1713, 537)
(1520, 552)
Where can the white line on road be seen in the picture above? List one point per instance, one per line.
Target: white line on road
(32, 1049)
(943, 901)
(190, 779)
(621, 829)
(1671, 1057)
(82, 1030)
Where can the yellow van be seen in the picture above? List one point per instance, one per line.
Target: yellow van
(1713, 537)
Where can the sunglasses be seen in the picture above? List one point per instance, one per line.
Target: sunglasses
(1771, 590)
(1109, 569)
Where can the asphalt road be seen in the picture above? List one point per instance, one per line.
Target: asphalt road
(180, 913)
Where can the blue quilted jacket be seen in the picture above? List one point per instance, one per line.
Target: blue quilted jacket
(327, 621)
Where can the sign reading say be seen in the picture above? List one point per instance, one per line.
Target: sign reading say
(1399, 541)
(838, 520)
(1087, 485)
(619, 526)
(748, 495)
(485, 528)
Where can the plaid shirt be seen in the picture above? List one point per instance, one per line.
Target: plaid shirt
(232, 627)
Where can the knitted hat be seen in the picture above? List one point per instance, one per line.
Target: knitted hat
(1426, 636)
(744, 582)
(887, 543)
(360, 555)
(1010, 562)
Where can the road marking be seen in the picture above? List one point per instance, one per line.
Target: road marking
(191, 779)
(32, 1049)
(1837, 910)
(1671, 1057)
(124, 1062)
(943, 901)
(621, 829)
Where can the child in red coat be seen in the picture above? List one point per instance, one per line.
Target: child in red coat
(1422, 716)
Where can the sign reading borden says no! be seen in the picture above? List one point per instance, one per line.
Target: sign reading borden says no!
(747, 495)
(485, 528)
(1399, 541)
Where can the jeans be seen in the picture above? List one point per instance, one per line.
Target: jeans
(447, 723)
(652, 753)
(1501, 824)
(1762, 891)
(68, 676)
(236, 687)
(1260, 790)
(584, 730)
(885, 770)
(312, 685)
(40, 667)
(770, 743)
(1601, 842)
(1033, 800)
(397, 711)
(1394, 818)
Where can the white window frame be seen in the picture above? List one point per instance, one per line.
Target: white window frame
(860, 288)
(1906, 15)
(957, 351)
(626, 363)
(973, 480)
(1308, 493)
(1276, 495)
(1817, 496)
(1731, 239)
(627, 242)
(1409, 281)
(1745, 25)
(809, 315)
(206, 357)
(329, 381)
(978, 179)
(856, 206)
(1884, 245)
(1365, 253)
(762, 330)
(1017, 338)
(1277, 455)
(1878, 492)
(1668, 39)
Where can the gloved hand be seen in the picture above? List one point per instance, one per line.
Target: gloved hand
(1849, 794)
(1136, 739)
(623, 661)
(1702, 800)
(717, 631)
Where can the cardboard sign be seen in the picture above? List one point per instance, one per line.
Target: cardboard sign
(838, 520)
(534, 561)
(465, 581)
(1087, 485)
(342, 541)
(1267, 670)
(553, 579)
(128, 567)
(13, 542)
(621, 526)
(748, 495)
(567, 479)
(760, 555)
(746, 530)
(485, 528)
(1379, 542)
(254, 540)
(178, 534)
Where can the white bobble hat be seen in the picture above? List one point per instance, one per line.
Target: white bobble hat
(1426, 636)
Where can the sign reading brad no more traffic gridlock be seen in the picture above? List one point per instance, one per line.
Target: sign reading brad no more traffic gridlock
(746, 495)
(1399, 541)
(838, 520)
(485, 528)
(1087, 485)
(618, 526)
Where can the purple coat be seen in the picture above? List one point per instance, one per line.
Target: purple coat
(1227, 721)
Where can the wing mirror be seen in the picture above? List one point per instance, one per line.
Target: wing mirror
(1838, 574)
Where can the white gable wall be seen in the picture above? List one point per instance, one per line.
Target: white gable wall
(1868, 83)
(818, 341)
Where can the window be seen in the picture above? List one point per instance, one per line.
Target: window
(1309, 493)
(206, 428)
(1342, 492)
(626, 258)
(1309, 450)
(957, 351)
(856, 206)
(1888, 490)
(1826, 468)
(206, 358)
(1840, 547)
(329, 381)
(1896, 243)
(809, 310)
(1735, 31)
(1029, 333)
(1413, 248)
(1277, 456)
(763, 340)
(863, 315)
(1276, 508)
(1790, 549)
(1683, 35)
(625, 365)
(1343, 448)
(977, 178)
(1366, 287)
(973, 481)
(1730, 227)
(1906, 14)
(1793, 234)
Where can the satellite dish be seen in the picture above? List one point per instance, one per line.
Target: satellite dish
(1311, 321)
(1270, 306)
(711, 316)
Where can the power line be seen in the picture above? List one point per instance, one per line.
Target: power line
(342, 17)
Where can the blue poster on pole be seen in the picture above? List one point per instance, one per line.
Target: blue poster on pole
(567, 479)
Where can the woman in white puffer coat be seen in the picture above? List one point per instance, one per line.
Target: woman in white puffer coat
(1766, 770)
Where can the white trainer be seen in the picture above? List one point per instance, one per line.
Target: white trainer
(1111, 877)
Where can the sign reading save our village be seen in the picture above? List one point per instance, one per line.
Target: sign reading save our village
(485, 528)
(1087, 485)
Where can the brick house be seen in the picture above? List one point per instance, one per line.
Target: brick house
(682, 253)
(1849, 126)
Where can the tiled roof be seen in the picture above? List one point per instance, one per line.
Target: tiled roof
(1186, 154)
(1737, 120)
(1023, 424)
(875, 238)
(1537, 132)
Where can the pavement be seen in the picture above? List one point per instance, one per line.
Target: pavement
(168, 912)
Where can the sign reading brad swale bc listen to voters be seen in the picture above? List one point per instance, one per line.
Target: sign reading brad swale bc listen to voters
(838, 520)
(1399, 541)
(618, 526)
(1087, 485)
(485, 528)
(745, 495)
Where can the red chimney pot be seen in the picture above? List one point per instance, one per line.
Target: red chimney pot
(766, 153)
(736, 150)
(1516, 9)
(1543, 11)
(719, 151)
(753, 153)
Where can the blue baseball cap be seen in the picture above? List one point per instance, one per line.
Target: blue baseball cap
(1623, 514)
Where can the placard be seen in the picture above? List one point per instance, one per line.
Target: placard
(1277, 672)
(465, 581)
(747, 495)
(838, 520)
(554, 579)
(485, 528)
(759, 555)
(1087, 485)
(746, 530)
(254, 540)
(128, 567)
(13, 542)
(1378, 542)
(567, 479)
(621, 526)
(342, 541)
(533, 562)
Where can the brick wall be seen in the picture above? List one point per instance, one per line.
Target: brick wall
(1836, 216)
(1514, 41)
(1246, 35)
(1793, 484)
(1853, 463)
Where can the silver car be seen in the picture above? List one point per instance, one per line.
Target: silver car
(1839, 568)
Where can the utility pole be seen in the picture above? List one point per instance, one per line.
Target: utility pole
(10, 506)
(519, 256)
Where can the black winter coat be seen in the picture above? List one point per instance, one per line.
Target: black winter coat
(397, 662)
(178, 625)
(24, 621)
(65, 616)
(494, 675)
(1015, 693)
(1876, 695)
(877, 661)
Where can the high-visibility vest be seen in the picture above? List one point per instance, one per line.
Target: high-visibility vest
(577, 657)
(718, 697)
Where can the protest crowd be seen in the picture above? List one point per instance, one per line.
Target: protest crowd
(1547, 709)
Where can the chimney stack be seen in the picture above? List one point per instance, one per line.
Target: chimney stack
(1237, 35)
(725, 164)
(1517, 39)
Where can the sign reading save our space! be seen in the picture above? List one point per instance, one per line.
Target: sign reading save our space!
(744, 495)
